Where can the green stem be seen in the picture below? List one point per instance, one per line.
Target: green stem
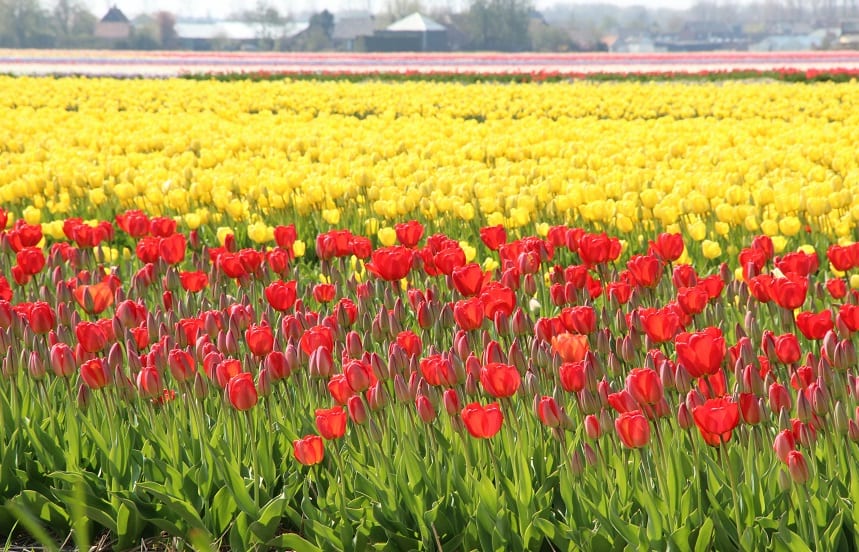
(732, 476)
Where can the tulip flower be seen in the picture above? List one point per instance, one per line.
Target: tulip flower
(716, 420)
(468, 314)
(391, 263)
(308, 450)
(331, 422)
(573, 376)
(570, 347)
(95, 374)
(500, 380)
(701, 353)
(633, 429)
(242, 392)
(482, 422)
(548, 412)
(645, 386)
(409, 233)
(493, 237)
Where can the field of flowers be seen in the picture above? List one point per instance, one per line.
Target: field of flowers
(331, 315)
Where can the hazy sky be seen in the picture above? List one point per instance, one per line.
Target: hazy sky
(221, 8)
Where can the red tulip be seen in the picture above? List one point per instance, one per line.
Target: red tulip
(836, 287)
(597, 249)
(285, 236)
(779, 398)
(95, 374)
(449, 259)
(281, 295)
(172, 249)
(500, 380)
(645, 386)
(645, 270)
(31, 260)
(94, 299)
(182, 365)
(783, 444)
(798, 262)
(750, 408)
(41, 318)
(570, 347)
(409, 233)
(359, 375)
(324, 293)
(468, 313)
(316, 337)
(437, 370)
(309, 450)
(260, 339)
(149, 382)
(660, 325)
(668, 247)
(787, 348)
(843, 258)
(572, 375)
(410, 343)
(579, 319)
(91, 336)
(493, 236)
(469, 279)
(62, 360)
(242, 392)
(789, 292)
(716, 419)
(814, 326)
(162, 227)
(797, 467)
(622, 401)
(482, 422)
(633, 429)
(692, 300)
(548, 411)
(134, 223)
(225, 370)
(684, 276)
(339, 388)
(331, 422)
(193, 282)
(701, 353)
(425, 409)
(5, 289)
(391, 263)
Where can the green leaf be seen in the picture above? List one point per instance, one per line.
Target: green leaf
(269, 519)
(32, 525)
(705, 536)
(293, 541)
(237, 487)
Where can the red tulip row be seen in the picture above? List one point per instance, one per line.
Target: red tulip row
(616, 347)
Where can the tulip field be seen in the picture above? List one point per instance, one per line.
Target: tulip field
(300, 314)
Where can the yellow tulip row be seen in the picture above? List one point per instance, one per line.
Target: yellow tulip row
(766, 157)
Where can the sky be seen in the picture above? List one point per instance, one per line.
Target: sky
(222, 8)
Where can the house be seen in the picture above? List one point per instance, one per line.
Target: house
(350, 28)
(413, 33)
(849, 39)
(704, 36)
(113, 26)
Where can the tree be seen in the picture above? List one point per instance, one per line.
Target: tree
(499, 25)
(398, 9)
(267, 20)
(24, 24)
(166, 23)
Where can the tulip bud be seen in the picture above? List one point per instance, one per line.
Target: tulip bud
(36, 366)
(839, 418)
(592, 427)
(684, 417)
(357, 411)
(401, 389)
(779, 398)
(852, 430)
(803, 407)
(577, 463)
(83, 398)
(797, 467)
(374, 432)
(452, 404)
(425, 409)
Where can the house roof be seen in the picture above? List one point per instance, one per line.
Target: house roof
(350, 27)
(114, 15)
(415, 22)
